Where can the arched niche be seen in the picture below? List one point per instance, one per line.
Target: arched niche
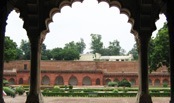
(157, 82)
(21, 81)
(86, 81)
(73, 81)
(45, 80)
(97, 81)
(11, 81)
(59, 80)
(107, 81)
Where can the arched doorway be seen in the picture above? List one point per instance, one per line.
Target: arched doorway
(133, 81)
(59, 80)
(20, 81)
(166, 81)
(73, 80)
(11, 81)
(107, 81)
(45, 80)
(157, 82)
(97, 81)
(86, 81)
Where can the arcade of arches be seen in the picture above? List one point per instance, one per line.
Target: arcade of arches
(37, 14)
(82, 73)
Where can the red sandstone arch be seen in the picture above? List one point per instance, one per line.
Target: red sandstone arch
(11, 81)
(73, 81)
(86, 81)
(166, 81)
(133, 81)
(157, 82)
(45, 80)
(21, 81)
(107, 81)
(59, 80)
(97, 81)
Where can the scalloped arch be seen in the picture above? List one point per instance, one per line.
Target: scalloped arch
(70, 2)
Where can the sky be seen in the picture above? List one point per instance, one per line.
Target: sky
(79, 21)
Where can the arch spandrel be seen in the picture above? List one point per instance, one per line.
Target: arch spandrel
(47, 8)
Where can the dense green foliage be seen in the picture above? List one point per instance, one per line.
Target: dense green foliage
(124, 83)
(134, 52)
(20, 90)
(159, 49)
(96, 43)
(114, 47)
(107, 92)
(112, 84)
(9, 91)
(10, 49)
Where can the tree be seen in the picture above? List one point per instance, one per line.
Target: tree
(134, 52)
(96, 44)
(70, 54)
(159, 49)
(114, 47)
(25, 47)
(10, 51)
(81, 46)
(19, 54)
(124, 83)
(57, 53)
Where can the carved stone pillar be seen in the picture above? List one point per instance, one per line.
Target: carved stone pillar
(3, 18)
(170, 19)
(35, 95)
(143, 93)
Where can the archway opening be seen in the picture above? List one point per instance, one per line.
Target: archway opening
(86, 81)
(107, 81)
(45, 80)
(11, 81)
(98, 81)
(59, 80)
(21, 81)
(73, 81)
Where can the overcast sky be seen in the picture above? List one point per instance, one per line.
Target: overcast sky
(79, 21)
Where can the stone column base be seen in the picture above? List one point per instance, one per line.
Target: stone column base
(143, 98)
(171, 101)
(35, 98)
(2, 100)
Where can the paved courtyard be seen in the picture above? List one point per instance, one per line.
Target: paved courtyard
(22, 99)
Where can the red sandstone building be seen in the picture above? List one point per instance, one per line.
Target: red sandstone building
(81, 73)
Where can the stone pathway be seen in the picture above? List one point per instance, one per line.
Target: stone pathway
(22, 99)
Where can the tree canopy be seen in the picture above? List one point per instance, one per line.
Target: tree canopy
(159, 49)
(10, 49)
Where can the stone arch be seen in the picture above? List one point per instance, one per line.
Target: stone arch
(73, 80)
(157, 82)
(87, 81)
(166, 81)
(133, 81)
(11, 81)
(61, 4)
(107, 81)
(150, 82)
(45, 80)
(59, 80)
(97, 81)
(21, 81)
